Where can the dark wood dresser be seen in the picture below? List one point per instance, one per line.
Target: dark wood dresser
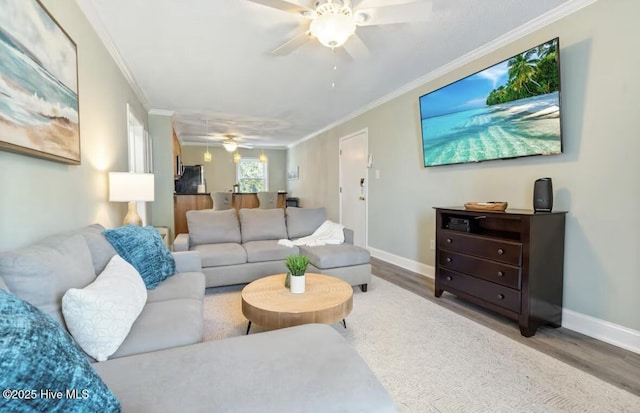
(510, 262)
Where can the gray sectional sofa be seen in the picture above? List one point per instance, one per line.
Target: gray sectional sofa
(240, 248)
(41, 273)
(163, 365)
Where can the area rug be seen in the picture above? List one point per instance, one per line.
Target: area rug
(431, 359)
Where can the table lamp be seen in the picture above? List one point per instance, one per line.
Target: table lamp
(131, 187)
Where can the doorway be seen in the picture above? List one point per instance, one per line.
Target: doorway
(354, 182)
(139, 154)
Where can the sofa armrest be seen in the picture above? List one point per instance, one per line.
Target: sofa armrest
(181, 243)
(187, 261)
(348, 235)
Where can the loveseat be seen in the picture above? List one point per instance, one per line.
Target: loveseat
(240, 248)
(162, 365)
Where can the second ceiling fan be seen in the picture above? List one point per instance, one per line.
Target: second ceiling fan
(334, 22)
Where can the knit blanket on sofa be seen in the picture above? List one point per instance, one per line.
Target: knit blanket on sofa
(327, 233)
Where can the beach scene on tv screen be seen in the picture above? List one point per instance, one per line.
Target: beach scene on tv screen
(508, 110)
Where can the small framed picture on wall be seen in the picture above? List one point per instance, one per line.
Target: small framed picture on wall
(292, 173)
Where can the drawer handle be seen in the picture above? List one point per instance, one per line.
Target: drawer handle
(448, 259)
(500, 251)
(500, 274)
(449, 278)
(449, 241)
(500, 297)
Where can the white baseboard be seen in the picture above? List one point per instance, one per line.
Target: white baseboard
(602, 330)
(402, 262)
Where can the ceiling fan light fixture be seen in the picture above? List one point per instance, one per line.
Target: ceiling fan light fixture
(333, 25)
(230, 145)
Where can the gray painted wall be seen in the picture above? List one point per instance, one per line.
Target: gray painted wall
(41, 197)
(220, 173)
(161, 132)
(597, 179)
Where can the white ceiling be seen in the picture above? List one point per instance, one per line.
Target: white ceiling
(209, 61)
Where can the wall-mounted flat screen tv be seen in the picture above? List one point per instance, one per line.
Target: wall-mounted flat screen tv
(508, 110)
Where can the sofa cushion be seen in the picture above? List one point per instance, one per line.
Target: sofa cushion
(212, 227)
(330, 376)
(268, 250)
(181, 285)
(3, 286)
(143, 248)
(101, 250)
(262, 224)
(41, 273)
(216, 255)
(162, 325)
(304, 221)
(332, 256)
(100, 315)
(37, 354)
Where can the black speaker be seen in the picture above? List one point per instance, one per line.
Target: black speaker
(543, 195)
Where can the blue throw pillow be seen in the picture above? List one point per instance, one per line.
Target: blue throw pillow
(142, 247)
(43, 369)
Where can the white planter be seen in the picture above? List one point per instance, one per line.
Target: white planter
(297, 284)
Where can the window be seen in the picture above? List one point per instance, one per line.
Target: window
(252, 175)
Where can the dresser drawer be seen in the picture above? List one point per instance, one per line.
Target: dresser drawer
(509, 252)
(499, 273)
(485, 290)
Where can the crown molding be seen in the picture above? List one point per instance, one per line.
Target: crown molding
(526, 29)
(96, 23)
(161, 112)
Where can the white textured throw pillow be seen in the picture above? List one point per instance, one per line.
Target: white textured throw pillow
(100, 315)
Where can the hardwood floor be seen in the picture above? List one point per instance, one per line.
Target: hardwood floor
(612, 364)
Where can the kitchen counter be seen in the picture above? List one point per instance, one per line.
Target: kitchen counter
(186, 202)
(250, 200)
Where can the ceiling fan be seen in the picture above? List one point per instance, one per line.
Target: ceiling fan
(334, 22)
(229, 141)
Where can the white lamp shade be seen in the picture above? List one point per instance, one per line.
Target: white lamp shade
(130, 186)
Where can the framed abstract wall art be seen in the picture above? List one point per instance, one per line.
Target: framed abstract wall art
(292, 173)
(38, 84)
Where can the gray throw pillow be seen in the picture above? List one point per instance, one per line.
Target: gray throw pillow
(207, 226)
(302, 222)
(41, 273)
(101, 250)
(262, 224)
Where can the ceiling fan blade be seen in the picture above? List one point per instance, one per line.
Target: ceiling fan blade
(416, 11)
(288, 6)
(356, 48)
(292, 44)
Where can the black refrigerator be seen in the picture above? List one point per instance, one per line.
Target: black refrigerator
(192, 176)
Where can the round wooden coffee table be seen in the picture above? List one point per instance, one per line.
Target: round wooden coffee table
(269, 304)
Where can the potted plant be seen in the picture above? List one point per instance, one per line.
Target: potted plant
(297, 266)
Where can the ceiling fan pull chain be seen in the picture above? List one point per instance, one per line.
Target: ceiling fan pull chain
(335, 69)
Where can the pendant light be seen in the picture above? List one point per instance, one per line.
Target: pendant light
(236, 157)
(207, 154)
(262, 158)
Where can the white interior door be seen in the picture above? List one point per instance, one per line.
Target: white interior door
(353, 185)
